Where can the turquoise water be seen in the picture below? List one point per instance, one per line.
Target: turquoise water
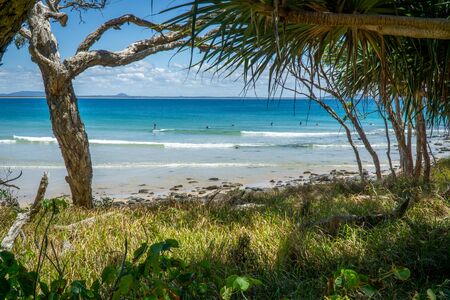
(191, 136)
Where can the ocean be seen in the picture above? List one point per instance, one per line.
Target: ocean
(158, 142)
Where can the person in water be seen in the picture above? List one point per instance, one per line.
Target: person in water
(207, 127)
(154, 126)
(271, 123)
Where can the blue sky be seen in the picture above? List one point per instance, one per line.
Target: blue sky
(162, 74)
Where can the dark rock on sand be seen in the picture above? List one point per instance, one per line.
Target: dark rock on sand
(211, 187)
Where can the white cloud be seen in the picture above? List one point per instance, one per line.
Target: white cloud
(138, 79)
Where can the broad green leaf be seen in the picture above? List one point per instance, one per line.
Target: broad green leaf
(241, 284)
(170, 243)
(402, 273)
(109, 274)
(230, 280)
(125, 284)
(140, 251)
(157, 248)
(368, 290)
(431, 295)
(44, 288)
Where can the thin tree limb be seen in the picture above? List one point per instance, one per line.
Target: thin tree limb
(23, 218)
(87, 221)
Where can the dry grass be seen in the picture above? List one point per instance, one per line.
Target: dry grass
(265, 242)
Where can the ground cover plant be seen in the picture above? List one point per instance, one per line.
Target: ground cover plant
(270, 251)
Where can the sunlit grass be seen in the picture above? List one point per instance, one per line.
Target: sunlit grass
(268, 243)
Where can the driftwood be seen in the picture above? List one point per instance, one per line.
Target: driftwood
(87, 221)
(333, 223)
(23, 218)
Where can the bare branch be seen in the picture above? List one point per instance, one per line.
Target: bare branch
(7, 182)
(25, 32)
(115, 24)
(81, 4)
(61, 17)
(134, 52)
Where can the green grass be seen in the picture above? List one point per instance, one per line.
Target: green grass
(269, 242)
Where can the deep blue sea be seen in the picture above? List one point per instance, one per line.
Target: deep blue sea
(166, 138)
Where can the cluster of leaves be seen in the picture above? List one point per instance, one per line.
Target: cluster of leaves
(238, 285)
(347, 282)
(151, 274)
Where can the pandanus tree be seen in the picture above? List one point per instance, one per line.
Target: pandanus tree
(315, 40)
(58, 76)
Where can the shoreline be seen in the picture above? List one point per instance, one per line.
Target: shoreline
(126, 190)
(147, 185)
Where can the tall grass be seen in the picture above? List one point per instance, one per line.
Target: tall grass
(268, 242)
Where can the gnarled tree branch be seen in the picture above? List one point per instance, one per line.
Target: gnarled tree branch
(115, 24)
(132, 53)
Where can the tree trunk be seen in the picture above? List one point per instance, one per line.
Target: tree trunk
(368, 146)
(349, 136)
(424, 148)
(354, 119)
(388, 139)
(12, 14)
(73, 141)
(62, 102)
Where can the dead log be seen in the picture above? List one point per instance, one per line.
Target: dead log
(23, 218)
(87, 221)
(333, 223)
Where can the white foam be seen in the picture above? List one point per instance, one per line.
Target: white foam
(287, 134)
(7, 141)
(33, 139)
(348, 146)
(151, 165)
(144, 143)
(209, 146)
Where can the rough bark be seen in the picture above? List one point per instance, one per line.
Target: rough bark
(23, 218)
(73, 141)
(12, 16)
(57, 75)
